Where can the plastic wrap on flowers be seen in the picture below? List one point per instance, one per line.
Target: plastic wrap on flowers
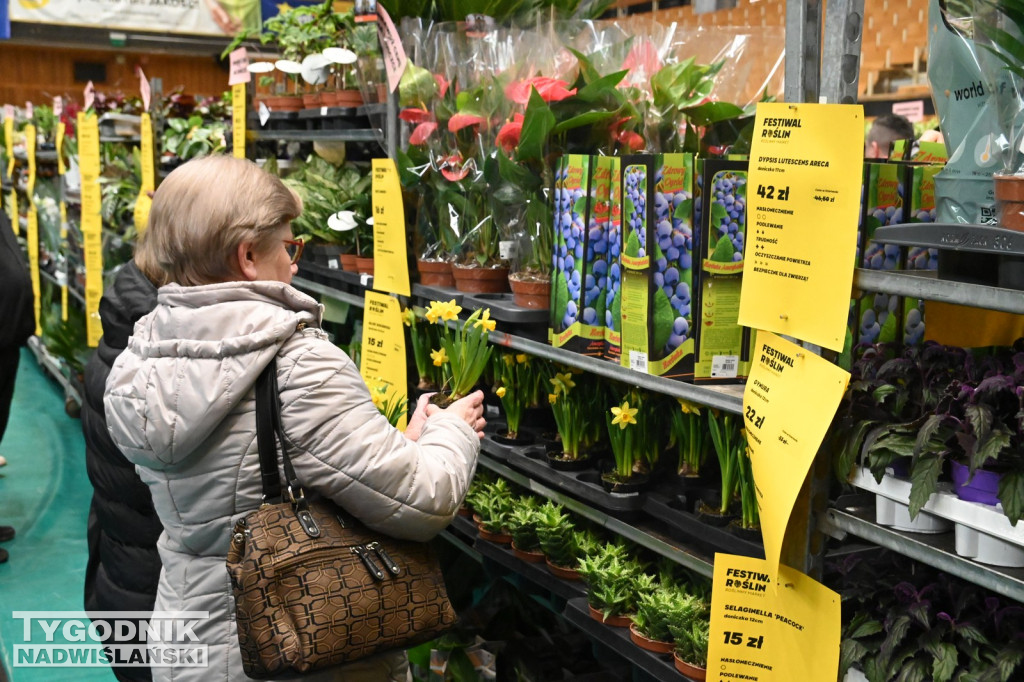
(998, 27)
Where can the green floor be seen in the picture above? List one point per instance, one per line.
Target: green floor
(44, 494)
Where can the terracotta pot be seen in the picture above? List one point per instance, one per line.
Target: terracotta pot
(329, 98)
(562, 572)
(691, 671)
(480, 280)
(284, 103)
(654, 645)
(311, 100)
(1010, 197)
(348, 262)
(530, 294)
(365, 265)
(533, 557)
(465, 511)
(613, 621)
(348, 98)
(435, 273)
(497, 538)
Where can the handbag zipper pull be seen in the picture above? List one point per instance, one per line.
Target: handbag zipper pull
(364, 555)
(389, 563)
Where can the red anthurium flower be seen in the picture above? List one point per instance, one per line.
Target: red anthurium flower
(549, 89)
(460, 121)
(422, 132)
(508, 136)
(552, 89)
(442, 84)
(616, 126)
(643, 57)
(453, 169)
(414, 115)
(630, 140)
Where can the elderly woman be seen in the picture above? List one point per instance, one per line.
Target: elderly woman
(180, 403)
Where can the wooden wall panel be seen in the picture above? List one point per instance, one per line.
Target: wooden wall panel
(37, 74)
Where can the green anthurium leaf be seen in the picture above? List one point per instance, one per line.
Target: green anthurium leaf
(416, 87)
(924, 480)
(664, 317)
(587, 70)
(601, 88)
(723, 251)
(538, 122)
(508, 171)
(632, 245)
(712, 112)
(588, 118)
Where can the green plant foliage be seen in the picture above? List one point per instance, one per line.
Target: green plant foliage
(325, 189)
(610, 573)
(557, 535)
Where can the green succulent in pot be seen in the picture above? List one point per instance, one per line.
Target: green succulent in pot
(557, 535)
(611, 573)
(522, 524)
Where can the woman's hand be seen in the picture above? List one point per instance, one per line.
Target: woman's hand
(418, 418)
(470, 409)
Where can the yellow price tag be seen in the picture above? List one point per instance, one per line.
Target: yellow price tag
(390, 264)
(770, 631)
(63, 275)
(788, 404)
(61, 130)
(30, 156)
(238, 110)
(147, 154)
(33, 260)
(803, 196)
(12, 211)
(91, 223)
(383, 356)
(9, 136)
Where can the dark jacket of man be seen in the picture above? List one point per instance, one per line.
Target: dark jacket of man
(124, 566)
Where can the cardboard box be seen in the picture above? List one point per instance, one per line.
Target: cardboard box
(920, 181)
(658, 276)
(723, 346)
(613, 283)
(572, 188)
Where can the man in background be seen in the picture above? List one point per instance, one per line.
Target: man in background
(19, 322)
(884, 131)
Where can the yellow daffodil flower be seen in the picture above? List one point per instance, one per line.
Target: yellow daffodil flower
(408, 317)
(433, 312)
(687, 407)
(500, 392)
(553, 398)
(565, 380)
(439, 357)
(450, 311)
(521, 358)
(485, 321)
(625, 415)
(508, 359)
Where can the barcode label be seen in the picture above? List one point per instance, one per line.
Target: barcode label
(638, 361)
(724, 366)
(989, 215)
(507, 250)
(332, 263)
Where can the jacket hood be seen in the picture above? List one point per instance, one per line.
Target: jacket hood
(192, 360)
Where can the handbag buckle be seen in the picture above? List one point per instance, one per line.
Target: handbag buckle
(364, 554)
(308, 523)
(299, 501)
(389, 563)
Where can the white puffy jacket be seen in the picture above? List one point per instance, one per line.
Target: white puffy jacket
(180, 404)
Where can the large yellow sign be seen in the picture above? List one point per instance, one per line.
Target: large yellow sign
(803, 196)
(390, 264)
(764, 630)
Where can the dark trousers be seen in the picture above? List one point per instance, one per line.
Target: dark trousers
(8, 371)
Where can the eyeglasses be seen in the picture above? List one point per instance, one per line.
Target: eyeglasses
(294, 248)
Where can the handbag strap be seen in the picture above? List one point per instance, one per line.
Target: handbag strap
(269, 433)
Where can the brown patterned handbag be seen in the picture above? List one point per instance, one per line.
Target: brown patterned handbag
(313, 587)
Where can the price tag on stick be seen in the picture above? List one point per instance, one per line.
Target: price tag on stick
(803, 196)
(382, 363)
(390, 264)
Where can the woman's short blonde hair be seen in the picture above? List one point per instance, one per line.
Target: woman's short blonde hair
(208, 206)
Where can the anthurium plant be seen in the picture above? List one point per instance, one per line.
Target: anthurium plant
(464, 346)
